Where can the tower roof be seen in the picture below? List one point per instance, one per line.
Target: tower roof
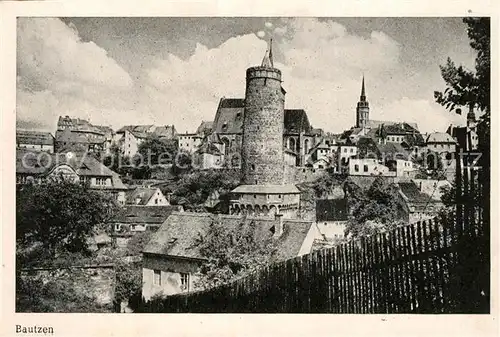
(267, 61)
(363, 94)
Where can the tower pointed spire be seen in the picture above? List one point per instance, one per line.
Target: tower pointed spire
(267, 61)
(363, 94)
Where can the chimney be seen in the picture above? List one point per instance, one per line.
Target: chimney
(278, 225)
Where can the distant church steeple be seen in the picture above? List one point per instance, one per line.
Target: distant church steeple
(267, 61)
(363, 108)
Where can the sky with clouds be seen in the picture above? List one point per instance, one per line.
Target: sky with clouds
(118, 71)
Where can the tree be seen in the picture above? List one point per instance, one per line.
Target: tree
(60, 215)
(137, 242)
(465, 87)
(193, 189)
(155, 151)
(378, 209)
(231, 253)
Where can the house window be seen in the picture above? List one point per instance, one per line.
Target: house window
(255, 195)
(82, 180)
(351, 150)
(156, 201)
(365, 168)
(185, 281)
(157, 277)
(100, 181)
(356, 168)
(279, 196)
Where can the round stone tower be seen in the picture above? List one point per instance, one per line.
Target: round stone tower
(262, 143)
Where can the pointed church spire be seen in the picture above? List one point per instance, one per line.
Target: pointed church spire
(363, 95)
(267, 61)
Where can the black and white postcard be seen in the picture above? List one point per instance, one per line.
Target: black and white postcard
(253, 165)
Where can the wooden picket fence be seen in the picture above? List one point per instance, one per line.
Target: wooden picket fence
(426, 267)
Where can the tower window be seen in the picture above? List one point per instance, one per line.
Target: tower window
(365, 168)
(356, 168)
(252, 167)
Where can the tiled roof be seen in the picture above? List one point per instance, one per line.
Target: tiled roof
(296, 121)
(78, 136)
(266, 189)
(34, 137)
(229, 116)
(230, 113)
(399, 129)
(31, 162)
(232, 103)
(144, 214)
(411, 191)
(331, 209)
(375, 123)
(139, 131)
(440, 137)
(392, 150)
(78, 124)
(181, 233)
(205, 125)
(144, 194)
(166, 131)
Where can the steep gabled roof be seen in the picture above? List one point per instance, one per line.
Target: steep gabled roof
(143, 194)
(181, 234)
(296, 121)
(440, 137)
(229, 116)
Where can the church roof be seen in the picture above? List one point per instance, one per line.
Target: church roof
(296, 121)
(181, 234)
(230, 114)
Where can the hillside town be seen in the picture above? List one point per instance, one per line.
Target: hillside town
(256, 185)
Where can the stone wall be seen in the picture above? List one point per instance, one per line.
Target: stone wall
(262, 146)
(97, 281)
(297, 174)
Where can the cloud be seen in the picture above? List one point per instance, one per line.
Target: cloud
(322, 64)
(429, 116)
(60, 74)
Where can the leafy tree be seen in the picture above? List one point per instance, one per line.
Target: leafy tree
(60, 215)
(138, 241)
(466, 87)
(231, 253)
(378, 209)
(128, 286)
(155, 151)
(193, 189)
